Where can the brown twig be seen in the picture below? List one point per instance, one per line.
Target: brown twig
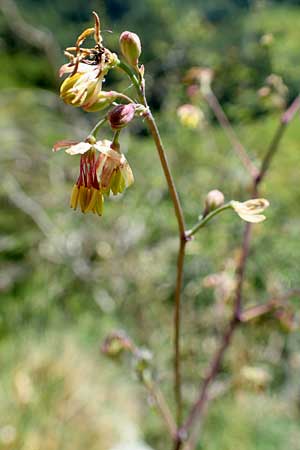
(180, 259)
(177, 323)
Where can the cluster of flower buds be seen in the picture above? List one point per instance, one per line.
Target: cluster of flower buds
(103, 168)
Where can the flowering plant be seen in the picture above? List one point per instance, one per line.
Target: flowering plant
(104, 170)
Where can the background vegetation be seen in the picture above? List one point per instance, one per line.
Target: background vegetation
(67, 279)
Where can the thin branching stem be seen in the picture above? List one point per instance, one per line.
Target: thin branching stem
(97, 127)
(198, 408)
(203, 220)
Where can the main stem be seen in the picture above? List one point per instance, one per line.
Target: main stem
(180, 259)
(139, 84)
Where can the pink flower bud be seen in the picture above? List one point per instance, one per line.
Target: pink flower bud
(121, 115)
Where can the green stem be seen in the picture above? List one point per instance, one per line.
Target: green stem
(130, 72)
(98, 126)
(125, 97)
(203, 221)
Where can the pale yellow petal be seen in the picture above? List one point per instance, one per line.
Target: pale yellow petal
(79, 149)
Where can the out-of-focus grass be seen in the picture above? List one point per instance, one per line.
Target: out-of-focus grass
(56, 392)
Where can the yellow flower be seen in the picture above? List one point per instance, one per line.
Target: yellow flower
(87, 68)
(251, 210)
(190, 116)
(102, 170)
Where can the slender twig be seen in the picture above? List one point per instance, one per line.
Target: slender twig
(203, 220)
(98, 126)
(240, 150)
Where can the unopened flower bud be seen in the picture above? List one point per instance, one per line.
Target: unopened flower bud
(214, 200)
(131, 48)
(121, 115)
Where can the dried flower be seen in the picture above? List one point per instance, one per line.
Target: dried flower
(87, 68)
(131, 48)
(190, 116)
(102, 170)
(121, 115)
(251, 210)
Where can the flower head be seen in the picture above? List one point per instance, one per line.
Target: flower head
(251, 210)
(87, 68)
(102, 170)
(120, 116)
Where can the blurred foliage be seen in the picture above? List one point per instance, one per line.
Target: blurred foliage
(66, 279)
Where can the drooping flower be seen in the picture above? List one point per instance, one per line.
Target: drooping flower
(113, 171)
(102, 170)
(251, 210)
(87, 68)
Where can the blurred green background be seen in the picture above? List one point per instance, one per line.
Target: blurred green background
(67, 279)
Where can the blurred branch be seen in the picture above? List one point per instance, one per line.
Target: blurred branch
(162, 407)
(286, 117)
(31, 208)
(273, 304)
(18, 197)
(240, 150)
(42, 39)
